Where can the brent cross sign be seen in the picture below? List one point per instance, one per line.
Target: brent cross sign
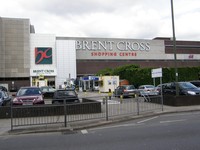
(156, 73)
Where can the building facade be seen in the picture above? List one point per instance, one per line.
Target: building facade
(14, 52)
(34, 59)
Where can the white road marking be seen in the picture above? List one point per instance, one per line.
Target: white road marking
(147, 119)
(109, 101)
(116, 126)
(170, 121)
(84, 131)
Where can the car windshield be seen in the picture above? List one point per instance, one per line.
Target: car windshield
(48, 89)
(66, 93)
(130, 87)
(187, 85)
(28, 91)
(51, 89)
(44, 89)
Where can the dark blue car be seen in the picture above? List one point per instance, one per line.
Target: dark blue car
(185, 88)
(4, 98)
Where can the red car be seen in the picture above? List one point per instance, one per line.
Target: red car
(28, 96)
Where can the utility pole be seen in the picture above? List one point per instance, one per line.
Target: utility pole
(174, 49)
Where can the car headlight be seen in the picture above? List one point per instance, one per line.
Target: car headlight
(17, 100)
(191, 93)
(39, 98)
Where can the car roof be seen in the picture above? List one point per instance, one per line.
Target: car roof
(65, 89)
(196, 81)
(147, 85)
(3, 87)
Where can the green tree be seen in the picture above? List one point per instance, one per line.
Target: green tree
(138, 76)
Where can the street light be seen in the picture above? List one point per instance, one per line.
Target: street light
(174, 49)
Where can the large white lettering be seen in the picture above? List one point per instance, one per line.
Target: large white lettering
(94, 45)
(134, 46)
(110, 45)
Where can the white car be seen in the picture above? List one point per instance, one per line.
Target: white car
(148, 90)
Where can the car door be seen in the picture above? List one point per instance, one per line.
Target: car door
(119, 91)
(169, 89)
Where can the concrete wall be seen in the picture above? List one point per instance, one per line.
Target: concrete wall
(14, 47)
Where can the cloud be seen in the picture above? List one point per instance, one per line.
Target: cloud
(111, 19)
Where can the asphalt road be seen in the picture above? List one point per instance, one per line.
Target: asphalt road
(167, 132)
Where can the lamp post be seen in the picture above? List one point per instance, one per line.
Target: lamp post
(174, 49)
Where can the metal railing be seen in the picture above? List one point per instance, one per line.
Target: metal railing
(94, 108)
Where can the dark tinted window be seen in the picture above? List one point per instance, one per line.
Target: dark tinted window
(150, 86)
(130, 87)
(196, 83)
(141, 87)
(66, 93)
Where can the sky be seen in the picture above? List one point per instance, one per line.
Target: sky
(132, 19)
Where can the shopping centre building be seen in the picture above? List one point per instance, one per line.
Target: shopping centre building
(28, 58)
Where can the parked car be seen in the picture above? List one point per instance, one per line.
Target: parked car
(125, 90)
(158, 88)
(28, 96)
(4, 98)
(47, 91)
(185, 88)
(2, 88)
(68, 95)
(147, 90)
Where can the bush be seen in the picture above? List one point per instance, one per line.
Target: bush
(138, 76)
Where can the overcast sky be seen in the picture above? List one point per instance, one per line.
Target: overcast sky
(135, 19)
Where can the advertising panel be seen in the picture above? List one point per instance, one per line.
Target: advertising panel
(87, 48)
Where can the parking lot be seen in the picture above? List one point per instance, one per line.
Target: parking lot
(93, 106)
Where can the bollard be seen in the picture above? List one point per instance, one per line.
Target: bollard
(109, 94)
(121, 98)
(135, 95)
(137, 100)
(106, 108)
(104, 100)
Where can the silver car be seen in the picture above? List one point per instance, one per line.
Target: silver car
(125, 90)
(147, 90)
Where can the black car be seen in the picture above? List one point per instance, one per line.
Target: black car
(158, 88)
(185, 88)
(47, 91)
(68, 95)
(125, 90)
(196, 83)
(5, 99)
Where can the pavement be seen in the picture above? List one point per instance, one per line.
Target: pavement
(5, 124)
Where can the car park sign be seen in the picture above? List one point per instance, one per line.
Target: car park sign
(156, 73)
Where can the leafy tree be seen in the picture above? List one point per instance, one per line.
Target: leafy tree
(106, 71)
(138, 76)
